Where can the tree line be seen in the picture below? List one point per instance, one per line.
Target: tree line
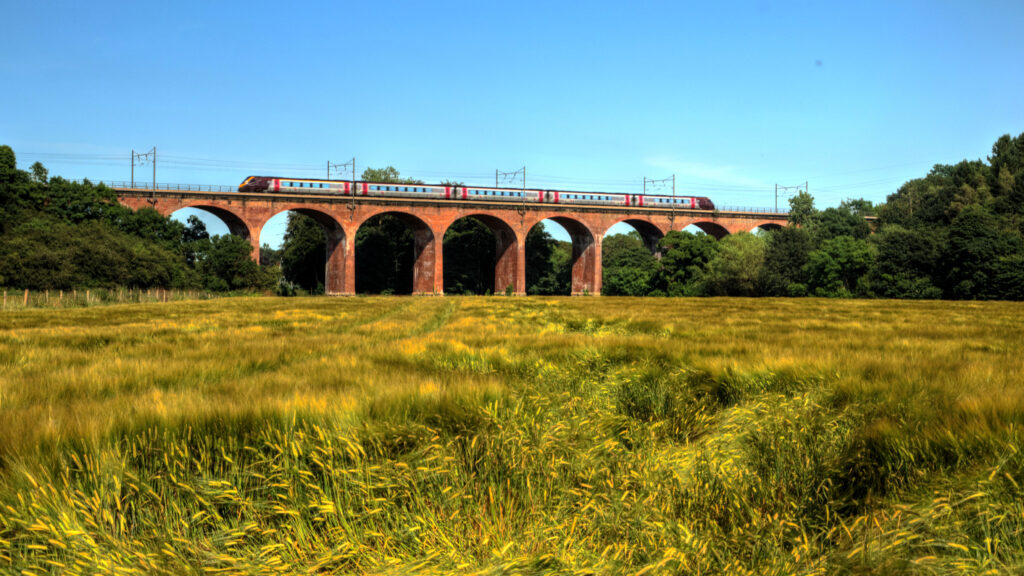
(58, 234)
(957, 233)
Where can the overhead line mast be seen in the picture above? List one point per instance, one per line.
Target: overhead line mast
(511, 177)
(785, 190)
(140, 159)
(340, 170)
(664, 183)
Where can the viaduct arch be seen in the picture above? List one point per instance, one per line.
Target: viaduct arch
(245, 214)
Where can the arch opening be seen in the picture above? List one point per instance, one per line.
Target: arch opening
(707, 227)
(395, 253)
(481, 256)
(629, 258)
(215, 219)
(548, 260)
(584, 255)
(310, 247)
(765, 227)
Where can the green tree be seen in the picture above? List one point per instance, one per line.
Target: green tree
(735, 269)
(195, 240)
(548, 264)
(304, 253)
(786, 253)
(838, 267)
(39, 173)
(228, 265)
(976, 245)
(905, 263)
(801, 209)
(628, 266)
(385, 245)
(469, 258)
(8, 165)
(683, 258)
(841, 221)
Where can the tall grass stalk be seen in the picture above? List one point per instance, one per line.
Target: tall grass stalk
(507, 436)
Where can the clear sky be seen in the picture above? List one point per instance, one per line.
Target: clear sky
(854, 98)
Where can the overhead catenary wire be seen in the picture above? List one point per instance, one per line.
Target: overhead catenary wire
(179, 163)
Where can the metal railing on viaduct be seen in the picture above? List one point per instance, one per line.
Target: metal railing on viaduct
(246, 213)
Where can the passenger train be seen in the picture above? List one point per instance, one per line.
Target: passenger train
(347, 188)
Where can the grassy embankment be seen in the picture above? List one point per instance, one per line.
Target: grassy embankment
(504, 435)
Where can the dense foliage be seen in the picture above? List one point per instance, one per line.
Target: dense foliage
(57, 234)
(956, 233)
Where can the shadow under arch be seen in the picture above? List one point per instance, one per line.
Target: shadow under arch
(395, 252)
(711, 228)
(334, 247)
(765, 226)
(502, 260)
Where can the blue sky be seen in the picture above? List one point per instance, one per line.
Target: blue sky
(731, 97)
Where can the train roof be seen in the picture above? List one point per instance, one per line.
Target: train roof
(475, 187)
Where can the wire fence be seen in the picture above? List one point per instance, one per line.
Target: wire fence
(23, 299)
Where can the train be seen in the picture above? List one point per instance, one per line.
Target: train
(277, 184)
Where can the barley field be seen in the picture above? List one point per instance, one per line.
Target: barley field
(492, 435)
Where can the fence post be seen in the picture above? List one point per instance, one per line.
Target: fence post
(25, 304)
(5, 299)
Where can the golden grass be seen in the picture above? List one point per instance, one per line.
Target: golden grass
(502, 435)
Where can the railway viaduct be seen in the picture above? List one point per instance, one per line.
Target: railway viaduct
(245, 214)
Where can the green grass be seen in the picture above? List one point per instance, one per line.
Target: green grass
(513, 435)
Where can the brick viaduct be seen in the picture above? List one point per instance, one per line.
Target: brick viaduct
(246, 213)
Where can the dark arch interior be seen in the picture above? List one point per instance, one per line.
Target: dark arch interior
(478, 250)
(548, 260)
(557, 266)
(649, 234)
(766, 227)
(711, 229)
(388, 248)
(311, 238)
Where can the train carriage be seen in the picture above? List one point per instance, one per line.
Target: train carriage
(479, 193)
